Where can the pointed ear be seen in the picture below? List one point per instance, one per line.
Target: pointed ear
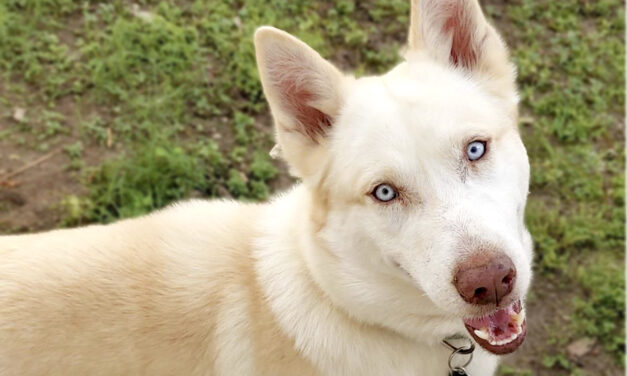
(456, 32)
(305, 93)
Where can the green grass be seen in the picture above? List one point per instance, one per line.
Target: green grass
(572, 92)
(177, 89)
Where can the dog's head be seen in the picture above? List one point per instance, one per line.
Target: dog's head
(418, 178)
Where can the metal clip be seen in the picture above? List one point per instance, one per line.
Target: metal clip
(466, 350)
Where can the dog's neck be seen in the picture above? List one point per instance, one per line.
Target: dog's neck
(313, 289)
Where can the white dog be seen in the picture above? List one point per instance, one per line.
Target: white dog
(407, 229)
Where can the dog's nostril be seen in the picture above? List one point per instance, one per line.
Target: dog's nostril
(480, 291)
(507, 279)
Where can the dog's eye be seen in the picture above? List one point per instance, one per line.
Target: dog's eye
(475, 150)
(384, 193)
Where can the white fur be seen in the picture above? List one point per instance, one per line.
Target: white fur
(323, 279)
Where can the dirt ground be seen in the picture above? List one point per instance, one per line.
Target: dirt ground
(29, 200)
(33, 183)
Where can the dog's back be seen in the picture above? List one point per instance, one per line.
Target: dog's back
(170, 293)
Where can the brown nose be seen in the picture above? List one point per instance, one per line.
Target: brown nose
(481, 281)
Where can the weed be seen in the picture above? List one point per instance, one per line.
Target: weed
(156, 177)
(75, 152)
(509, 371)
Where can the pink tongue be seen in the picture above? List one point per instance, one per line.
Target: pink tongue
(499, 324)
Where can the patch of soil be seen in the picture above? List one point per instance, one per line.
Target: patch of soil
(30, 200)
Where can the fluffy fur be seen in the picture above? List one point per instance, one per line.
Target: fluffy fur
(323, 280)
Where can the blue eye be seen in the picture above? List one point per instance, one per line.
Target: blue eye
(475, 150)
(384, 193)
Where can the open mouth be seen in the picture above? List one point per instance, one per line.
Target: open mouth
(500, 332)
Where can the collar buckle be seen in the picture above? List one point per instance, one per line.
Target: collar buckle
(457, 370)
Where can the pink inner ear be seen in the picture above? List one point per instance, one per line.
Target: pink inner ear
(459, 23)
(293, 82)
(312, 121)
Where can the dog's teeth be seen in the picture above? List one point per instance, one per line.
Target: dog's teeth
(504, 341)
(482, 333)
(518, 318)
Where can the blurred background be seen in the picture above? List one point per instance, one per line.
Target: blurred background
(112, 109)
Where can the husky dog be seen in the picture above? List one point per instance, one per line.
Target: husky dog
(407, 229)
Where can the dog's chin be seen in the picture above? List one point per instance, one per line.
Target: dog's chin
(500, 332)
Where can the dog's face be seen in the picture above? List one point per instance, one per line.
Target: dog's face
(418, 178)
